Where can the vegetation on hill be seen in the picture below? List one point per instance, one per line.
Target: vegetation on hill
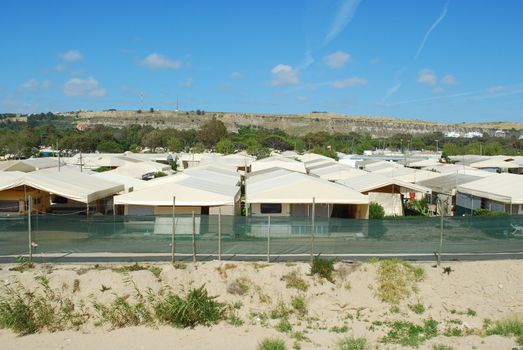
(23, 138)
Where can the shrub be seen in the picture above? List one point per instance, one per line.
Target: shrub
(299, 304)
(323, 268)
(376, 211)
(442, 347)
(410, 334)
(507, 327)
(196, 308)
(239, 286)
(271, 344)
(417, 308)
(27, 312)
(284, 326)
(397, 279)
(123, 313)
(294, 281)
(353, 344)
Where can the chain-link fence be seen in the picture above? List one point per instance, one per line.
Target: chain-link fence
(258, 236)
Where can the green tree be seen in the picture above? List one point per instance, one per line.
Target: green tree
(225, 146)
(211, 132)
(109, 147)
(376, 211)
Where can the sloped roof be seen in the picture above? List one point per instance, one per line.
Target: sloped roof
(28, 165)
(447, 183)
(408, 174)
(337, 171)
(278, 162)
(300, 188)
(113, 176)
(11, 179)
(495, 163)
(506, 188)
(72, 184)
(189, 191)
(372, 181)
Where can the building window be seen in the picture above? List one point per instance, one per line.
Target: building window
(270, 208)
(9, 206)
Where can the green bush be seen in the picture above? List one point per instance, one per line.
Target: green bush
(323, 268)
(376, 211)
(507, 327)
(353, 344)
(197, 308)
(27, 312)
(271, 344)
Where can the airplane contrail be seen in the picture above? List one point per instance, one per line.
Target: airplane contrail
(432, 27)
(345, 14)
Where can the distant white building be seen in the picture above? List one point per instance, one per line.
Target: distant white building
(452, 134)
(500, 133)
(472, 134)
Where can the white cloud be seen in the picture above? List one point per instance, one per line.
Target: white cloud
(285, 75)
(426, 76)
(438, 90)
(350, 82)
(301, 98)
(72, 56)
(345, 13)
(337, 59)
(235, 75)
(156, 61)
(496, 89)
(449, 79)
(84, 87)
(34, 85)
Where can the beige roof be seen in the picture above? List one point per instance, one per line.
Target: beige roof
(300, 188)
(189, 191)
(28, 165)
(128, 182)
(11, 179)
(408, 174)
(72, 184)
(506, 188)
(372, 181)
(494, 163)
(139, 169)
(278, 162)
(337, 171)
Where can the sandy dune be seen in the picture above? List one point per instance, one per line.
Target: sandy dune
(493, 290)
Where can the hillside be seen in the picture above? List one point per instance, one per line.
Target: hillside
(296, 124)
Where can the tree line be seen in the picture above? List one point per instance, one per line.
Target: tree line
(23, 139)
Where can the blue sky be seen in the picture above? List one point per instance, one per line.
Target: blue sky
(438, 60)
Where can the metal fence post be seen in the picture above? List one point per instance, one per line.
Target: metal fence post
(269, 239)
(219, 234)
(313, 229)
(173, 241)
(30, 233)
(440, 232)
(193, 238)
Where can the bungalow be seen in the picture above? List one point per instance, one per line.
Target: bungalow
(500, 192)
(53, 190)
(288, 193)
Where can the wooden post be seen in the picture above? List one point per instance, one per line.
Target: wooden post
(193, 238)
(440, 231)
(313, 229)
(173, 241)
(219, 234)
(30, 233)
(269, 238)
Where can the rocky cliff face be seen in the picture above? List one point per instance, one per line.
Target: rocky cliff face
(292, 124)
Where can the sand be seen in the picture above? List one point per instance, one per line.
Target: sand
(493, 289)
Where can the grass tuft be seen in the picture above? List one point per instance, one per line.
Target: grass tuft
(271, 344)
(508, 327)
(299, 305)
(239, 286)
(353, 344)
(196, 308)
(397, 280)
(410, 334)
(294, 281)
(417, 308)
(323, 268)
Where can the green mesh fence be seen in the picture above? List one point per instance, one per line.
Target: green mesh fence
(248, 235)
